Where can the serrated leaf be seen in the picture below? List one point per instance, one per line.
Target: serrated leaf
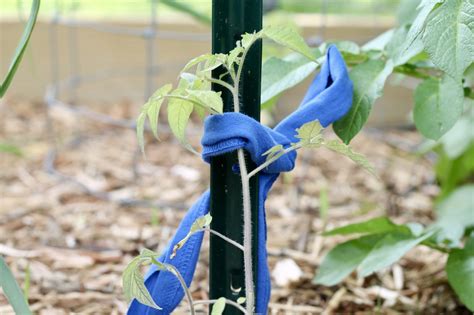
(209, 100)
(344, 259)
(288, 37)
(134, 284)
(241, 300)
(455, 215)
(148, 253)
(196, 61)
(179, 112)
(215, 61)
(449, 36)
(153, 106)
(162, 91)
(273, 151)
(279, 75)
(368, 79)
(248, 39)
(199, 224)
(372, 226)
(140, 130)
(234, 56)
(346, 150)
(219, 306)
(438, 105)
(310, 133)
(460, 271)
(388, 250)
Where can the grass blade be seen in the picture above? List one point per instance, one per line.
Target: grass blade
(20, 48)
(12, 290)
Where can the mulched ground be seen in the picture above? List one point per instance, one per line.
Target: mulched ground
(74, 244)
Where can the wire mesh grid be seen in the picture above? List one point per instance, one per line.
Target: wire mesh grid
(70, 85)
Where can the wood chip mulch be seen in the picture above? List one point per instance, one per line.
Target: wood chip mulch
(74, 245)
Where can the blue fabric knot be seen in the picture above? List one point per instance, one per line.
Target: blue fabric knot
(232, 131)
(328, 99)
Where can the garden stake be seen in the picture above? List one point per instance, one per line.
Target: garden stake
(231, 19)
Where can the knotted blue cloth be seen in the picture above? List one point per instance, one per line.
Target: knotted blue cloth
(328, 99)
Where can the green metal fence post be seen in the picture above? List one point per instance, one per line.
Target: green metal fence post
(230, 19)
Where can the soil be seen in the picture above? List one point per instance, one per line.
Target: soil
(72, 218)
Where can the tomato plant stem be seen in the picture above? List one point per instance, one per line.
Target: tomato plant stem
(247, 208)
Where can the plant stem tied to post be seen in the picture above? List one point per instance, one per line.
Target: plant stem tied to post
(247, 208)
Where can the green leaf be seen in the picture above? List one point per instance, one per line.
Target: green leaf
(140, 130)
(372, 226)
(457, 140)
(438, 105)
(219, 306)
(310, 133)
(209, 100)
(460, 271)
(346, 46)
(407, 11)
(234, 56)
(418, 26)
(179, 111)
(153, 112)
(279, 75)
(134, 283)
(201, 223)
(389, 250)
(344, 259)
(20, 49)
(346, 150)
(449, 36)
(288, 37)
(452, 173)
(396, 50)
(248, 39)
(153, 106)
(455, 214)
(241, 300)
(273, 151)
(205, 63)
(12, 290)
(368, 79)
(197, 226)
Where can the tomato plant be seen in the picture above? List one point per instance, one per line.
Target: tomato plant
(433, 43)
(193, 93)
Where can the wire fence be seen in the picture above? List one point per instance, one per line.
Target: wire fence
(70, 85)
(65, 13)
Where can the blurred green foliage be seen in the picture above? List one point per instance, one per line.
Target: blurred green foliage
(121, 8)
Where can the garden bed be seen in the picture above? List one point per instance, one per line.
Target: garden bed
(73, 246)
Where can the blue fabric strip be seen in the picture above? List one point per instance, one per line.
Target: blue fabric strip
(328, 99)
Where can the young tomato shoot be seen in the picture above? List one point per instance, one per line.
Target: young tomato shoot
(194, 93)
